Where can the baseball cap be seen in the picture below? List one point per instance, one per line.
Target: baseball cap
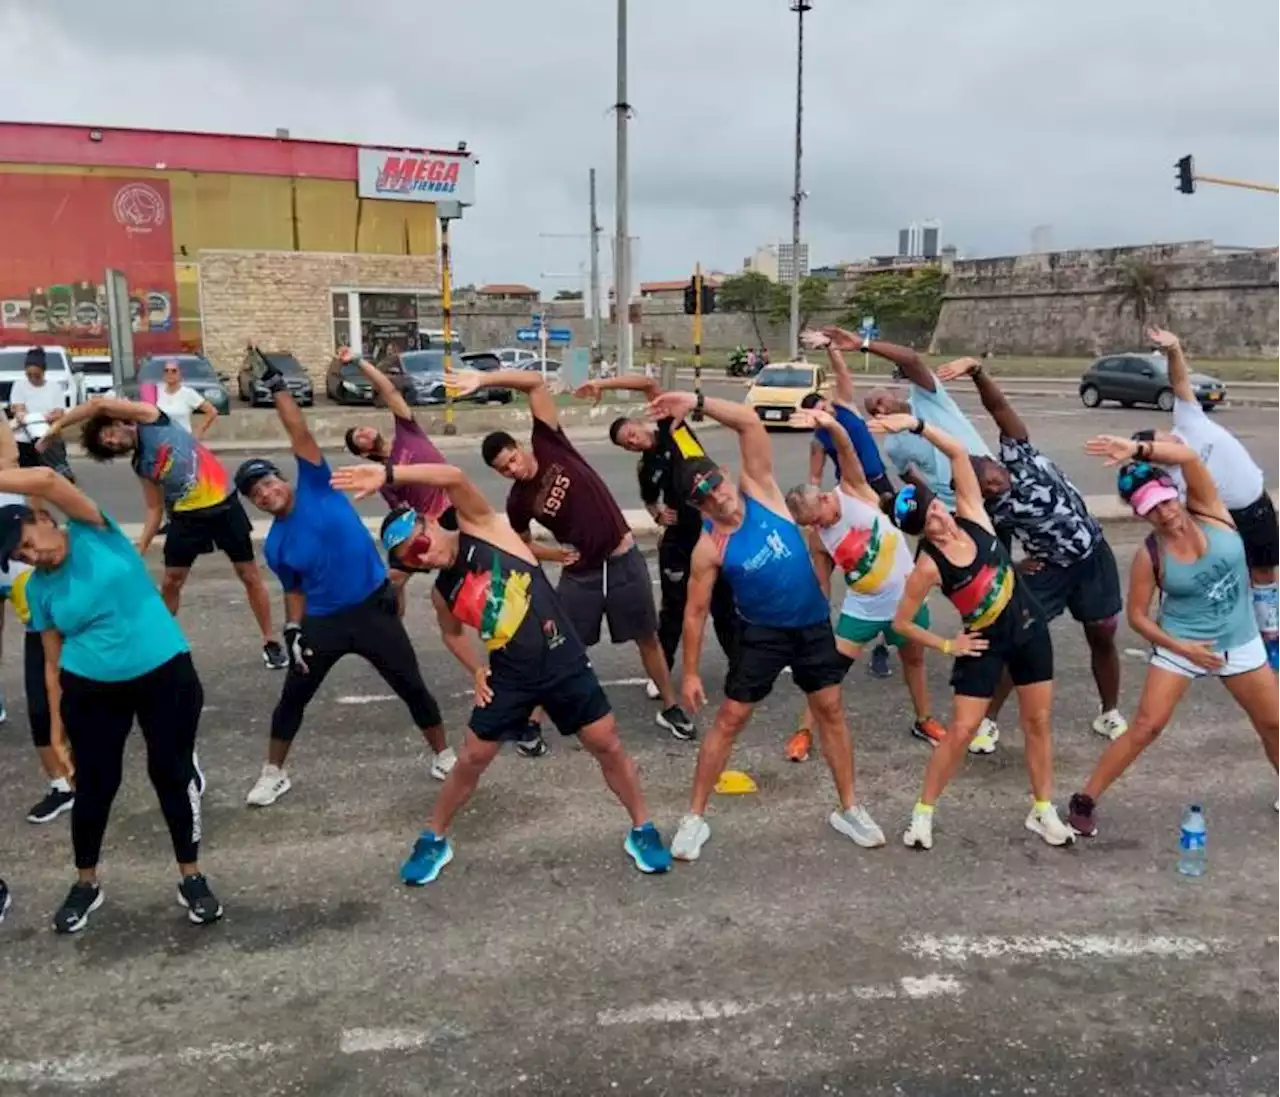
(253, 470)
(397, 527)
(12, 518)
(701, 478)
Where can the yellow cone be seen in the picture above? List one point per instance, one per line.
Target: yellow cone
(734, 782)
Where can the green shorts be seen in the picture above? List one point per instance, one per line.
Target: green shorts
(858, 630)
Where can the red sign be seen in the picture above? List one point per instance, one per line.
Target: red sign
(60, 233)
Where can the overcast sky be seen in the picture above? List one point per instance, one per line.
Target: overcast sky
(993, 116)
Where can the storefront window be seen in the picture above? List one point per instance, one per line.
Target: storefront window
(388, 324)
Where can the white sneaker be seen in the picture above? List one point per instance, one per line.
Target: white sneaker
(919, 835)
(1110, 725)
(856, 823)
(1052, 829)
(690, 838)
(442, 763)
(988, 735)
(270, 786)
(651, 690)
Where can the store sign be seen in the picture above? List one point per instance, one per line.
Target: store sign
(416, 176)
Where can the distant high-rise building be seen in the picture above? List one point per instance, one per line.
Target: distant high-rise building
(763, 261)
(904, 242)
(929, 242)
(920, 240)
(791, 264)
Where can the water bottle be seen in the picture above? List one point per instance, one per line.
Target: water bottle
(1191, 842)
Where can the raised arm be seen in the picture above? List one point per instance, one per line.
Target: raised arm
(47, 485)
(301, 440)
(993, 399)
(1202, 494)
(753, 440)
(913, 367)
(852, 475)
(382, 384)
(844, 378)
(366, 480)
(638, 382)
(528, 381)
(968, 494)
(128, 411)
(1179, 377)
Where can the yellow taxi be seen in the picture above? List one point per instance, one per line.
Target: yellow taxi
(776, 391)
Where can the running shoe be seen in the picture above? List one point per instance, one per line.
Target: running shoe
(986, 738)
(6, 900)
(919, 835)
(56, 801)
(690, 838)
(203, 908)
(1047, 824)
(270, 786)
(799, 745)
(201, 783)
(644, 846)
(651, 690)
(879, 666)
(677, 721)
(81, 901)
(856, 823)
(1110, 725)
(430, 855)
(533, 745)
(1080, 817)
(442, 763)
(274, 655)
(929, 731)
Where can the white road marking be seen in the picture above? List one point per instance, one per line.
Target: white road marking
(357, 1041)
(625, 682)
(365, 698)
(1136, 653)
(87, 1067)
(959, 948)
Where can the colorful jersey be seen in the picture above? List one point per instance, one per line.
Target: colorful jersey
(13, 587)
(984, 589)
(1042, 508)
(873, 556)
(190, 476)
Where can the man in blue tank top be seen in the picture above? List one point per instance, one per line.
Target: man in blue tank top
(750, 539)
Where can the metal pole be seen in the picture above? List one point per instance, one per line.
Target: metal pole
(446, 309)
(799, 7)
(697, 327)
(622, 248)
(597, 335)
(1218, 180)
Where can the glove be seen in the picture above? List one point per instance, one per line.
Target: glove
(297, 651)
(271, 377)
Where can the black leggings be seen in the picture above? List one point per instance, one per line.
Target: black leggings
(373, 630)
(37, 690)
(99, 716)
(673, 571)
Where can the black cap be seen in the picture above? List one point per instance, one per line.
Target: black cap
(699, 478)
(12, 518)
(35, 357)
(253, 470)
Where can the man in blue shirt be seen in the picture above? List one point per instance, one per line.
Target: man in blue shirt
(337, 596)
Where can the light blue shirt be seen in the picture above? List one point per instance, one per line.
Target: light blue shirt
(941, 411)
(114, 624)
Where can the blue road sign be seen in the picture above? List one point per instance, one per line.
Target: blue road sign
(535, 320)
(559, 336)
(869, 329)
(526, 335)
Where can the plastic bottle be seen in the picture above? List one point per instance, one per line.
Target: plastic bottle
(1192, 855)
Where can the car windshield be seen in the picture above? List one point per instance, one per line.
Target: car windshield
(286, 364)
(13, 359)
(192, 367)
(423, 361)
(481, 360)
(785, 377)
(97, 366)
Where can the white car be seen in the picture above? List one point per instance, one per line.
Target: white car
(95, 374)
(58, 372)
(514, 357)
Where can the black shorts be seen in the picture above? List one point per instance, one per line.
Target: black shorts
(1089, 588)
(881, 484)
(1258, 530)
(619, 590)
(1023, 647)
(760, 653)
(193, 533)
(571, 701)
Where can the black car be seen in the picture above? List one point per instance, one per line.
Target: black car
(253, 392)
(1142, 379)
(425, 370)
(197, 373)
(345, 383)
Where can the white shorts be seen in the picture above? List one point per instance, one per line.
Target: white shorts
(1238, 660)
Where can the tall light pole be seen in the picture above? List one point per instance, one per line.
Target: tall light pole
(797, 196)
(622, 242)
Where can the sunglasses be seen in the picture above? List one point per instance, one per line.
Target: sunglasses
(1134, 475)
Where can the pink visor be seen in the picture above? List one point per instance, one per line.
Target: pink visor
(1151, 495)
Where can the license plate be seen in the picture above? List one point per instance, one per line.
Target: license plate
(773, 415)
(1215, 396)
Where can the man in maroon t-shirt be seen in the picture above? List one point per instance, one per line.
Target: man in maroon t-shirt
(604, 574)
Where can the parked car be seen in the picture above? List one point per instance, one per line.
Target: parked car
(197, 373)
(514, 357)
(345, 383)
(253, 392)
(536, 365)
(95, 373)
(776, 391)
(426, 370)
(433, 339)
(59, 372)
(1142, 379)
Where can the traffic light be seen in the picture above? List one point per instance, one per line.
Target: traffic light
(708, 298)
(691, 297)
(1186, 175)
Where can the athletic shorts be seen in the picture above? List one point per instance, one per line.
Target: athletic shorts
(571, 701)
(861, 630)
(193, 533)
(1237, 660)
(761, 653)
(1258, 530)
(1089, 588)
(619, 590)
(1026, 651)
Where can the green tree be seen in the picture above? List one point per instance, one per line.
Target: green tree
(1142, 288)
(905, 303)
(751, 293)
(813, 300)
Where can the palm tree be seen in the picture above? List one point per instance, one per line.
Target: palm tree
(1143, 288)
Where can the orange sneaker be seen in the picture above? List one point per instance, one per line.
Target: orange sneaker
(799, 745)
(930, 730)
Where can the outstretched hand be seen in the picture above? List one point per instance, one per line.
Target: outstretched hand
(361, 480)
(812, 419)
(1115, 450)
(1165, 340)
(961, 367)
(892, 424)
(463, 382)
(815, 340)
(589, 390)
(346, 355)
(676, 405)
(840, 339)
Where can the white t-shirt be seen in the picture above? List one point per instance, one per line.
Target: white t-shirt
(38, 400)
(873, 555)
(1235, 474)
(179, 405)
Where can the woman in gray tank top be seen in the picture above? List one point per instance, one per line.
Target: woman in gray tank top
(1204, 625)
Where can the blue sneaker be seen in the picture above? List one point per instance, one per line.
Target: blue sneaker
(644, 845)
(430, 854)
(880, 662)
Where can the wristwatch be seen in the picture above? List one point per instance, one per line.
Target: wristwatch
(391, 471)
(698, 406)
(919, 427)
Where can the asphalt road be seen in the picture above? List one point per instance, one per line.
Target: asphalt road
(786, 961)
(1059, 425)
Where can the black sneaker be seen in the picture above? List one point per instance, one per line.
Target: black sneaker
(1080, 815)
(202, 905)
(533, 745)
(81, 901)
(879, 666)
(677, 721)
(273, 654)
(55, 802)
(6, 900)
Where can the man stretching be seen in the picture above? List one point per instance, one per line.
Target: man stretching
(1068, 563)
(490, 581)
(749, 537)
(178, 475)
(338, 599)
(604, 574)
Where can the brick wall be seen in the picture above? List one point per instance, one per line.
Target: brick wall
(281, 300)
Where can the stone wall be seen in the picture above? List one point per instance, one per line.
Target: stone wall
(1223, 304)
(282, 300)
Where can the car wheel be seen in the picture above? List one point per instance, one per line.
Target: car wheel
(1090, 397)
(1164, 401)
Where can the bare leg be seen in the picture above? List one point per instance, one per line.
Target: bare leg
(435, 737)
(256, 591)
(1001, 696)
(837, 746)
(618, 767)
(966, 715)
(655, 666)
(1035, 707)
(917, 681)
(1105, 661)
(714, 752)
(1256, 693)
(1161, 692)
(474, 757)
(171, 588)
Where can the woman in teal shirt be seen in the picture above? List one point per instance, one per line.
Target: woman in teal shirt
(120, 655)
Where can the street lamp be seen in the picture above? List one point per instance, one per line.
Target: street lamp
(446, 212)
(798, 195)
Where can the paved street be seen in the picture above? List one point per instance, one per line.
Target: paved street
(785, 962)
(1059, 425)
